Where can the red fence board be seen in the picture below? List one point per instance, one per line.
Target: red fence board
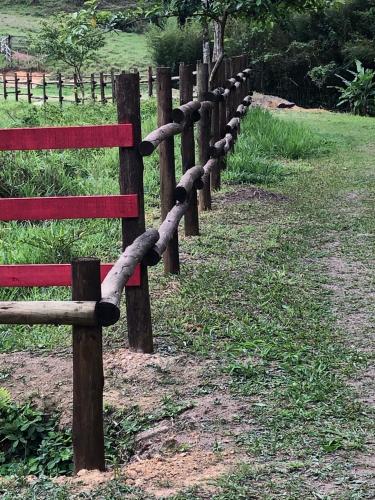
(69, 207)
(21, 275)
(88, 136)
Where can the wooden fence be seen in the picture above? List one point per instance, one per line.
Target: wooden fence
(98, 87)
(95, 303)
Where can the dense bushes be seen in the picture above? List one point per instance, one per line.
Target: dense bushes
(299, 57)
(172, 44)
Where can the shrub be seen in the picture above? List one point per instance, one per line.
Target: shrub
(172, 44)
(358, 94)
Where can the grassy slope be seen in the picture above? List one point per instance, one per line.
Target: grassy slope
(258, 294)
(122, 50)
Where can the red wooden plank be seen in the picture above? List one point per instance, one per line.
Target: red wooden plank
(87, 136)
(21, 275)
(69, 207)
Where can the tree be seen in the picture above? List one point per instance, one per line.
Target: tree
(218, 12)
(71, 38)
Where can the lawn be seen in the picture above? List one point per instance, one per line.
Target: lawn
(122, 51)
(262, 374)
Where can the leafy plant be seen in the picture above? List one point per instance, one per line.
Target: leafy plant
(71, 39)
(358, 94)
(172, 44)
(31, 441)
(320, 74)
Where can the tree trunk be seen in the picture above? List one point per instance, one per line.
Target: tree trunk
(218, 51)
(206, 46)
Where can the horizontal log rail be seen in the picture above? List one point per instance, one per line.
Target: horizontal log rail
(189, 111)
(156, 137)
(187, 182)
(108, 309)
(221, 148)
(48, 313)
(166, 232)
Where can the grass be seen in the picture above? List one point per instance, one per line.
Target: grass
(255, 295)
(122, 51)
(264, 142)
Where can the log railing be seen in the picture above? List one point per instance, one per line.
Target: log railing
(96, 296)
(97, 87)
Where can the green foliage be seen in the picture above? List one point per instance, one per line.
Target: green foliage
(359, 93)
(297, 56)
(320, 74)
(264, 141)
(31, 441)
(172, 44)
(72, 39)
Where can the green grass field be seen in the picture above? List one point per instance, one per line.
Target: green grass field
(122, 50)
(273, 307)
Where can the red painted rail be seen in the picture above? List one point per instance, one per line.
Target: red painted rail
(90, 136)
(69, 207)
(21, 275)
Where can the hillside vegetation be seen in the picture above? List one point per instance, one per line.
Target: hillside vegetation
(121, 51)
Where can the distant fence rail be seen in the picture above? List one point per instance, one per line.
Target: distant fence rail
(35, 86)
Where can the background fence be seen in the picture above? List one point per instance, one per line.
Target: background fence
(217, 110)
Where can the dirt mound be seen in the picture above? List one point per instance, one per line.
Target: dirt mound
(274, 102)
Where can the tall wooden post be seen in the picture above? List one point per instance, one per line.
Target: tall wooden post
(93, 85)
(138, 308)
(167, 165)
(60, 88)
(204, 131)
(150, 81)
(102, 88)
(228, 102)
(5, 81)
(215, 133)
(188, 149)
(113, 85)
(44, 83)
(75, 88)
(222, 112)
(28, 87)
(88, 378)
(16, 91)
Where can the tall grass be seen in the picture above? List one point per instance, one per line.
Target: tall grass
(265, 141)
(50, 173)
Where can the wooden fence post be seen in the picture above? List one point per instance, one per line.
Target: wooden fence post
(167, 165)
(150, 81)
(93, 85)
(215, 132)
(88, 378)
(16, 91)
(5, 86)
(113, 86)
(102, 88)
(222, 111)
(28, 86)
(44, 83)
(204, 131)
(60, 88)
(138, 308)
(188, 149)
(228, 101)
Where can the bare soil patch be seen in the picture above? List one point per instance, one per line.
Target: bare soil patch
(248, 193)
(191, 448)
